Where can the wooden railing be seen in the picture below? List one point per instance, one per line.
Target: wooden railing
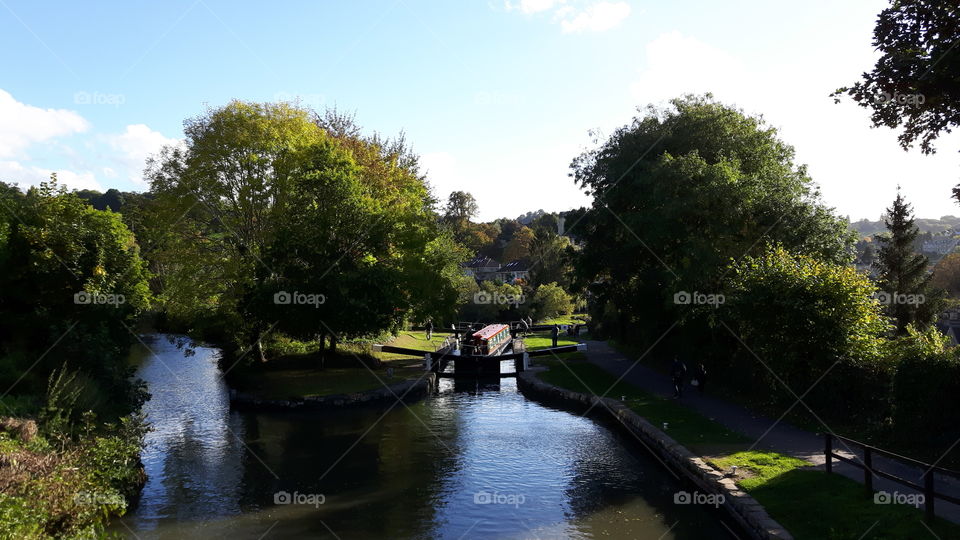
(928, 488)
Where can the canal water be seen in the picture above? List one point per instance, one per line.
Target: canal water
(470, 462)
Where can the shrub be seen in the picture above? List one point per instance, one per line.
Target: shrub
(925, 389)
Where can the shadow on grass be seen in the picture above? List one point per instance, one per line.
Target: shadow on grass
(815, 505)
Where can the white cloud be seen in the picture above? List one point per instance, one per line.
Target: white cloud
(576, 15)
(598, 17)
(134, 145)
(538, 176)
(22, 125)
(13, 172)
(678, 64)
(858, 168)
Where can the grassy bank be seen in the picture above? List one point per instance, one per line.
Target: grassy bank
(55, 486)
(355, 368)
(809, 503)
(812, 504)
(685, 426)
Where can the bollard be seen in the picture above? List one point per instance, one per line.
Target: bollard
(427, 362)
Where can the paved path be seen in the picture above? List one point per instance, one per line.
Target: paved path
(769, 434)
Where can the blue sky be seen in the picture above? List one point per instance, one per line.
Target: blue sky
(497, 96)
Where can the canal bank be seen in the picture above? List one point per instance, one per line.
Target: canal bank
(743, 508)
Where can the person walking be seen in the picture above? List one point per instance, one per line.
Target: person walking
(554, 332)
(429, 329)
(677, 371)
(700, 378)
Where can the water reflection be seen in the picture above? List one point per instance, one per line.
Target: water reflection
(475, 461)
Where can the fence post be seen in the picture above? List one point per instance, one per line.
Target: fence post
(828, 451)
(427, 362)
(928, 496)
(868, 470)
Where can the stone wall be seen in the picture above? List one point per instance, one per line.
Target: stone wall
(408, 391)
(743, 508)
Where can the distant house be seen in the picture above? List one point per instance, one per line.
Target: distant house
(514, 271)
(486, 269)
(481, 268)
(940, 245)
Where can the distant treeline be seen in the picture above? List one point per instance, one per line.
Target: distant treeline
(865, 227)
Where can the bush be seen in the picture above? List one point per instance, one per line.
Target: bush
(925, 388)
(800, 318)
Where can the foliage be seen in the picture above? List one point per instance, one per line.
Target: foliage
(680, 192)
(69, 490)
(914, 81)
(903, 276)
(946, 275)
(801, 319)
(925, 387)
(73, 285)
(550, 300)
(519, 246)
(263, 200)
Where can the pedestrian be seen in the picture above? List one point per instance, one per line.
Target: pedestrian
(700, 378)
(554, 332)
(677, 371)
(429, 329)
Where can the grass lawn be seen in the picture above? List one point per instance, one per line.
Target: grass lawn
(812, 504)
(294, 383)
(576, 318)
(306, 381)
(687, 427)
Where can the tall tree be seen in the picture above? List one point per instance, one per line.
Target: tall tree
(946, 275)
(680, 192)
(916, 81)
(461, 206)
(902, 273)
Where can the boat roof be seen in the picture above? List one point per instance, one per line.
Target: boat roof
(489, 330)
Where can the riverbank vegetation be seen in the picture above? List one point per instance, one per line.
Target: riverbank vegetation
(70, 436)
(708, 239)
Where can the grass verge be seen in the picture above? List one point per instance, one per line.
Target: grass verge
(815, 505)
(687, 427)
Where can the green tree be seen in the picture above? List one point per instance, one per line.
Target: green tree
(550, 300)
(461, 206)
(798, 319)
(946, 275)
(519, 246)
(264, 199)
(903, 274)
(73, 285)
(680, 192)
(914, 83)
